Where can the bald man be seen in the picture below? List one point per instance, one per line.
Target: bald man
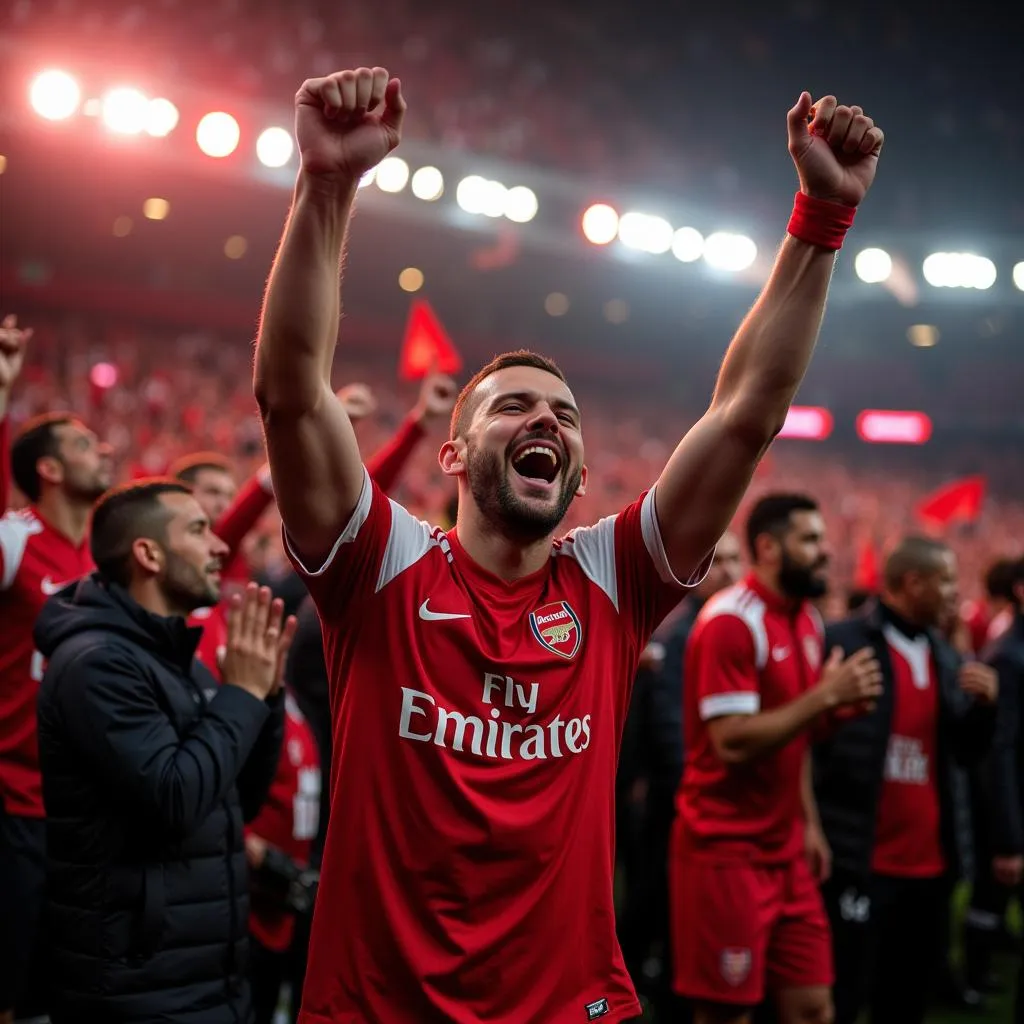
(891, 795)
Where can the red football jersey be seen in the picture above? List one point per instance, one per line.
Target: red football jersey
(467, 873)
(288, 818)
(749, 651)
(908, 841)
(35, 562)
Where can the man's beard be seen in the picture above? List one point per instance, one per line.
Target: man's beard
(187, 588)
(801, 581)
(87, 489)
(500, 505)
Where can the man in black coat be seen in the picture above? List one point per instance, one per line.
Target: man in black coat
(150, 768)
(892, 793)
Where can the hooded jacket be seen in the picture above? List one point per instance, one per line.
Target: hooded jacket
(149, 768)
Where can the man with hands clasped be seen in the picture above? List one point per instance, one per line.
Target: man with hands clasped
(150, 768)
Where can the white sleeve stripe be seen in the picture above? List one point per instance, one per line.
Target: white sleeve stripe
(656, 547)
(738, 703)
(349, 534)
(593, 547)
(14, 535)
(408, 541)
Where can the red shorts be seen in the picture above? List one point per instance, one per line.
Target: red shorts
(739, 929)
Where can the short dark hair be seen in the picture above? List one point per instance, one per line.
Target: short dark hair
(36, 440)
(913, 554)
(188, 467)
(1002, 576)
(122, 516)
(521, 357)
(771, 514)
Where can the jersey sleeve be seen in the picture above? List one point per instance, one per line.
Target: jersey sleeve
(722, 668)
(380, 540)
(624, 555)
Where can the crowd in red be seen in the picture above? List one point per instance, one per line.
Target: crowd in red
(176, 394)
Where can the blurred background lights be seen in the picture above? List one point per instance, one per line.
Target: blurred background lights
(103, 375)
(726, 251)
(687, 245)
(520, 204)
(959, 270)
(161, 117)
(556, 304)
(392, 174)
(428, 184)
(645, 233)
(235, 247)
(274, 147)
(600, 224)
(156, 208)
(873, 266)
(217, 134)
(1018, 275)
(410, 279)
(124, 111)
(54, 95)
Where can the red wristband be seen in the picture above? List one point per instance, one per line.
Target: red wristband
(819, 222)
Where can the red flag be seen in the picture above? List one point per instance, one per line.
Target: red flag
(867, 574)
(426, 347)
(959, 501)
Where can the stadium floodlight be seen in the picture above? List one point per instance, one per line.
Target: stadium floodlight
(1018, 275)
(726, 251)
(161, 117)
(645, 232)
(54, 95)
(217, 134)
(428, 184)
(274, 147)
(471, 193)
(493, 197)
(687, 245)
(124, 111)
(392, 174)
(600, 224)
(520, 204)
(873, 266)
(807, 423)
(959, 270)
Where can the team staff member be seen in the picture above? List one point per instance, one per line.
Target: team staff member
(149, 768)
(747, 851)
(891, 796)
(62, 468)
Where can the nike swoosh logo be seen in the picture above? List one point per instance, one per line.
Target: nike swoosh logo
(428, 616)
(50, 588)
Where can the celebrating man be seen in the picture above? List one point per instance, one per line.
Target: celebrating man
(480, 677)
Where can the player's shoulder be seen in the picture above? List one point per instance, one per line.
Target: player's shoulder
(736, 612)
(586, 556)
(413, 545)
(22, 538)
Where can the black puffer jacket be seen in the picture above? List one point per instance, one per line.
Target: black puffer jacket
(849, 766)
(148, 770)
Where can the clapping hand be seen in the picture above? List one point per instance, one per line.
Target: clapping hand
(257, 642)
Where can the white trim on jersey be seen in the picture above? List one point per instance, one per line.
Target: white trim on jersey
(740, 601)
(349, 534)
(15, 530)
(409, 539)
(916, 652)
(655, 545)
(593, 547)
(739, 702)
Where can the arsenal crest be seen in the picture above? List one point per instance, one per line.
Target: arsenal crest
(735, 965)
(557, 629)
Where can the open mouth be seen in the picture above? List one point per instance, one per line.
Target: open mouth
(538, 463)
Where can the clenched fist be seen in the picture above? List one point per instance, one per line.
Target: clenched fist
(835, 149)
(348, 122)
(979, 681)
(13, 340)
(437, 398)
(358, 400)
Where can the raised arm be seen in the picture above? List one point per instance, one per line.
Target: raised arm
(345, 124)
(701, 487)
(12, 357)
